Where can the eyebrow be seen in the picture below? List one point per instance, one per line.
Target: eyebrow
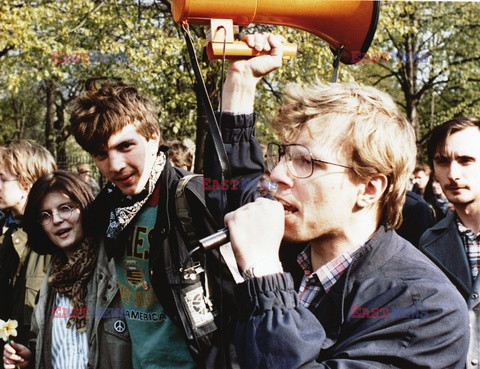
(125, 141)
(63, 203)
(455, 157)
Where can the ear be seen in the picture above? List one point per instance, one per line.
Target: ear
(372, 191)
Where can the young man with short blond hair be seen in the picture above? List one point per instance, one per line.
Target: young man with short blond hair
(368, 298)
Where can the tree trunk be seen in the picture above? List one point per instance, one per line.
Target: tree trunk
(19, 112)
(50, 117)
(201, 133)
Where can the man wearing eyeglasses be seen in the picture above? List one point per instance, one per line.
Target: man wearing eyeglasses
(368, 298)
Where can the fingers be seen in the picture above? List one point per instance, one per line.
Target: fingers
(276, 42)
(10, 356)
(8, 348)
(247, 226)
(264, 41)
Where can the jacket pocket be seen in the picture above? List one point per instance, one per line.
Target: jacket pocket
(117, 328)
(114, 345)
(32, 286)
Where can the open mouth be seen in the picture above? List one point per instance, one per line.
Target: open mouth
(125, 180)
(62, 232)
(289, 209)
(122, 177)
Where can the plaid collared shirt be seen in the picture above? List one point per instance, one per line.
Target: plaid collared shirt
(471, 243)
(316, 284)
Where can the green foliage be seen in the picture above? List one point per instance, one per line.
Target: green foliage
(159, 66)
(448, 32)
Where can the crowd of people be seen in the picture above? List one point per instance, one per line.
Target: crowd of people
(386, 251)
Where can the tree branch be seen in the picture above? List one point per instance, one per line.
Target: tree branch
(82, 22)
(5, 50)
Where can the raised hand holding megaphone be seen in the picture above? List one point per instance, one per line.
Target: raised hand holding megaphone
(350, 24)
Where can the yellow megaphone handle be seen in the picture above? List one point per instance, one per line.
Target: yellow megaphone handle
(220, 35)
(239, 49)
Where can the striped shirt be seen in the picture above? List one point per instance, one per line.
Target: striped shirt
(316, 284)
(69, 348)
(472, 247)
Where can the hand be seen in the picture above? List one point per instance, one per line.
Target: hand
(259, 66)
(243, 74)
(256, 230)
(16, 354)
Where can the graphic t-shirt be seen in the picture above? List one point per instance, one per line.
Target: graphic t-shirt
(156, 341)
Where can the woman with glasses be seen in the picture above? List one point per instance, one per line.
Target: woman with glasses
(78, 320)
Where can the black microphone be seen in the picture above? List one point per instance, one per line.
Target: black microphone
(215, 240)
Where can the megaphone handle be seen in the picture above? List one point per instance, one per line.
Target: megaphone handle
(241, 49)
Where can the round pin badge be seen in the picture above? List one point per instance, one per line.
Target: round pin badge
(119, 326)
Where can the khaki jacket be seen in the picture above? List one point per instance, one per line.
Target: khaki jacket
(28, 271)
(109, 339)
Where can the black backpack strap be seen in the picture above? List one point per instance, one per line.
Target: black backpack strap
(183, 209)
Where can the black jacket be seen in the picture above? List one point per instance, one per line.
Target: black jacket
(443, 245)
(417, 218)
(169, 249)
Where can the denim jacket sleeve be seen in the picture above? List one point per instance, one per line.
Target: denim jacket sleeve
(275, 330)
(246, 161)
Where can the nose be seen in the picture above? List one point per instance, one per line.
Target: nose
(56, 218)
(280, 174)
(116, 161)
(454, 171)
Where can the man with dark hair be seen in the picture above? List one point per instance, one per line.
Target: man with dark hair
(169, 302)
(454, 243)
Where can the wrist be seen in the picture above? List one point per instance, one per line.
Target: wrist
(262, 268)
(239, 93)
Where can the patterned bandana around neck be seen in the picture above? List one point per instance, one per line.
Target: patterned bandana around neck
(120, 216)
(70, 278)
